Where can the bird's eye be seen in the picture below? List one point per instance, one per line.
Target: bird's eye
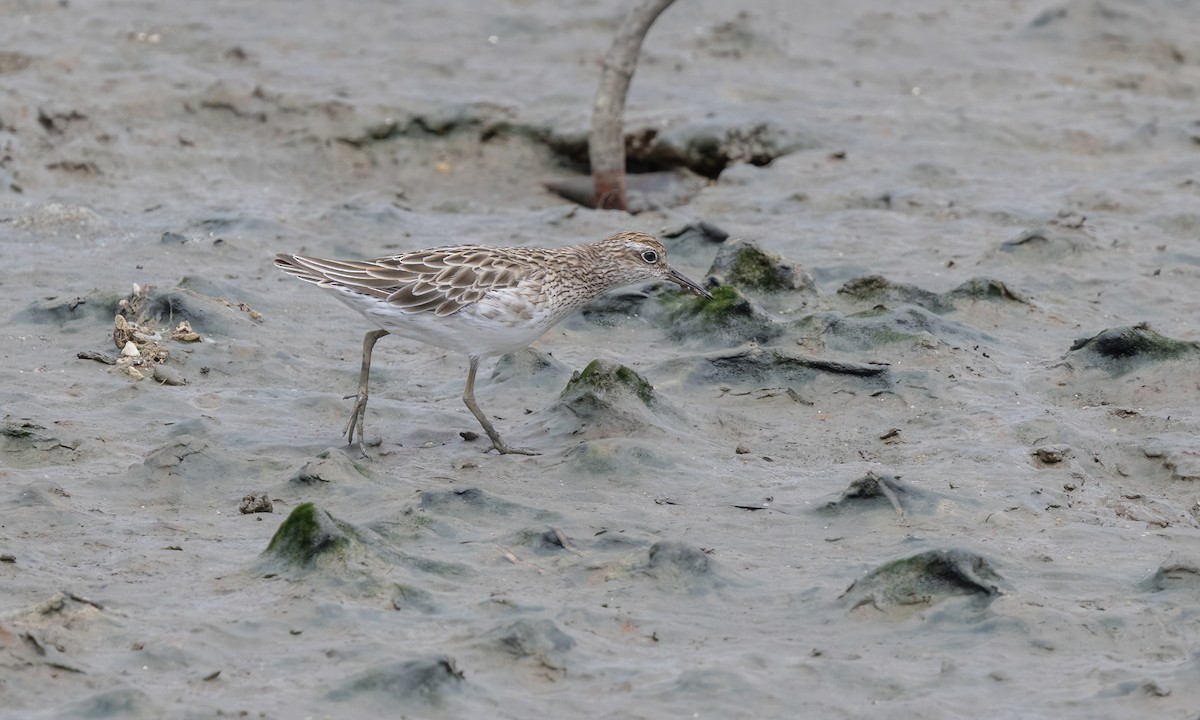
(650, 256)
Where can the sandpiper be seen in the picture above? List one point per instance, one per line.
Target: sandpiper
(481, 301)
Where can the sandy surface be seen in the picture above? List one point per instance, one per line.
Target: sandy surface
(965, 193)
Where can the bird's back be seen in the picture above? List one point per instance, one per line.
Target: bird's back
(477, 300)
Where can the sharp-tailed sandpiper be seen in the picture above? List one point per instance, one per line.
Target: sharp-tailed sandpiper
(481, 301)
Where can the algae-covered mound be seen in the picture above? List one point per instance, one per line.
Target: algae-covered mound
(869, 330)
(873, 490)
(71, 312)
(1131, 365)
(603, 380)
(309, 536)
(603, 387)
(329, 466)
(613, 400)
(1119, 350)
(925, 579)
(420, 682)
(985, 289)
(883, 294)
(1181, 574)
(679, 567)
(1052, 242)
(878, 290)
(729, 317)
(532, 366)
(744, 264)
(540, 639)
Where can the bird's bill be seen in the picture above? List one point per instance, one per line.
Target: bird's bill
(687, 283)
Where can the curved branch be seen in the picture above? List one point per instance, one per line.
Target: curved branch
(606, 148)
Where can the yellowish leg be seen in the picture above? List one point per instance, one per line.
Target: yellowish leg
(469, 398)
(358, 414)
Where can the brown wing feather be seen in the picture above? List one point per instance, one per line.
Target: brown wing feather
(441, 280)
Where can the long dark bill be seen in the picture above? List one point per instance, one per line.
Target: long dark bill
(687, 283)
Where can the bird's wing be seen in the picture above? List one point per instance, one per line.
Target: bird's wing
(441, 280)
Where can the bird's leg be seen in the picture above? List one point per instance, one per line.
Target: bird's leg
(358, 414)
(469, 398)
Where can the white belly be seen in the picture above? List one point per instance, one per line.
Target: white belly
(502, 322)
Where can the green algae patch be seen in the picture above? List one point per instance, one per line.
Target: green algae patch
(730, 315)
(608, 378)
(756, 269)
(864, 288)
(308, 536)
(725, 299)
(727, 302)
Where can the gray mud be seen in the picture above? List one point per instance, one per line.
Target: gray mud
(931, 452)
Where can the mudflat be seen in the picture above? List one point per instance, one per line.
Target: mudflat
(931, 451)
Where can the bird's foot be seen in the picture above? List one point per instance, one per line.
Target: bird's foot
(357, 415)
(505, 449)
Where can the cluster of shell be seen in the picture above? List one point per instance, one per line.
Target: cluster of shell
(142, 347)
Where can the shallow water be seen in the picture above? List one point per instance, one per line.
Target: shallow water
(680, 557)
